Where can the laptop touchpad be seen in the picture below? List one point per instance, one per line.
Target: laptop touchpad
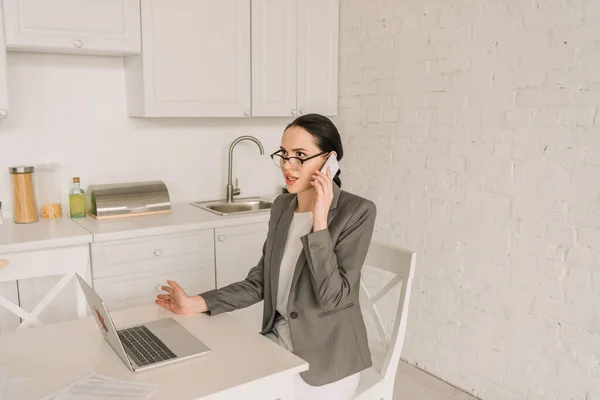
(162, 324)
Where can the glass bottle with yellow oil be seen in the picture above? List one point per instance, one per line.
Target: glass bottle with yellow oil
(77, 200)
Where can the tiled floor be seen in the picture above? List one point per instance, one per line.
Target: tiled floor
(413, 384)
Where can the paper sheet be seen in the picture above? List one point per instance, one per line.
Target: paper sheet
(99, 387)
(15, 387)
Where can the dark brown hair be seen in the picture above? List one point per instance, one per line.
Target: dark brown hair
(325, 133)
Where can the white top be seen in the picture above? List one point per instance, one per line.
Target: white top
(301, 225)
(77, 348)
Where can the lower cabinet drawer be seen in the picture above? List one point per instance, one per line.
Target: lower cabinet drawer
(178, 251)
(138, 289)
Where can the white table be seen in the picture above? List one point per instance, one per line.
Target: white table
(242, 364)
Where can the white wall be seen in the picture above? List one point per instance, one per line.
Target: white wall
(474, 125)
(72, 110)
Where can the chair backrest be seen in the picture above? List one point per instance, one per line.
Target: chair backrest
(20, 267)
(393, 269)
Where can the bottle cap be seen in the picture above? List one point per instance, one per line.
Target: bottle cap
(76, 179)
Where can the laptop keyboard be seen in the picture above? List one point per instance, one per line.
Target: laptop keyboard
(143, 346)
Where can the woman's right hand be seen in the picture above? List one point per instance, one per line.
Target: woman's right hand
(177, 301)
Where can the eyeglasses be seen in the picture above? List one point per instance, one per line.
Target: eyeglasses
(295, 162)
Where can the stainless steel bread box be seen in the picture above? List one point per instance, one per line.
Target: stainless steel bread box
(120, 200)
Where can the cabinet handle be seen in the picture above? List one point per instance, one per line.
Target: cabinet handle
(3, 113)
(247, 113)
(222, 238)
(157, 252)
(302, 111)
(78, 43)
(159, 288)
(294, 112)
(4, 263)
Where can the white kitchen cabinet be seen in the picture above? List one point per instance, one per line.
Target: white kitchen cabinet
(128, 273)
(74, 26)
(274, 57)
(295, 57)
(195, 60)
(237, 250)
(8, 320)
(3, 77)
(318, 38)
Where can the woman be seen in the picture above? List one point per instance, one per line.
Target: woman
(309, 273)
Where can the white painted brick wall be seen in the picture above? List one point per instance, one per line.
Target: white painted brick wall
(475, 126)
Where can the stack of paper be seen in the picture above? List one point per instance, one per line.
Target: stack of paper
(10, 388)
(100, 387)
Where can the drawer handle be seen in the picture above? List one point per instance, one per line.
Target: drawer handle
(222, 238)
(159, 288)
(157, 252)
(78, 43)
(4, 263)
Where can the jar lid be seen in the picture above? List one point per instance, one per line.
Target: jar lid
(22, 169)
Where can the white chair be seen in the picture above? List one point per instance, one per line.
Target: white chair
(377, 382)
(31, 264)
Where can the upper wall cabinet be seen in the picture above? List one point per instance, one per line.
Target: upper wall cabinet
(318, 48)
(73, 26)
(294, 57)
(195, 60)
(274, 57)
(3, 85)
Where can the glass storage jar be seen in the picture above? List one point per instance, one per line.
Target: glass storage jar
(24, 203)
(49, 193)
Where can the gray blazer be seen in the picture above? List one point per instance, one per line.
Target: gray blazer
(325, 320)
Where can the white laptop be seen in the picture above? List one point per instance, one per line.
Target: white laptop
(145, 346)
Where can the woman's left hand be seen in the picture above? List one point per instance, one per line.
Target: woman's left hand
(323, 184)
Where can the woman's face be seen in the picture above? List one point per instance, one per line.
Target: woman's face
(297, 142)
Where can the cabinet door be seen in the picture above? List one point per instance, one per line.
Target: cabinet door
(3, 77)
(79, 26)
(274, 57)
(318, 33)
(238, 249)
(8, 320)
(195, 62)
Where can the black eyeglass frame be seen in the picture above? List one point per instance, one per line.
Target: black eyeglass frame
(302, 160)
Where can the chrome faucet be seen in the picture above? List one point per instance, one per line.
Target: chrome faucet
(231, 191)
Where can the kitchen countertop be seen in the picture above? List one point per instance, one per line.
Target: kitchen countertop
(70, 232)
(40, 235)
(183, 218)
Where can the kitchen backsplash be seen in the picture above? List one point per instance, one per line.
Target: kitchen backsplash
(72, 110)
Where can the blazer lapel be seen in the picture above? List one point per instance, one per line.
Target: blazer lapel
(302, 259)
(281, 234)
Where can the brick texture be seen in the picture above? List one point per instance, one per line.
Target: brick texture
(475, 127)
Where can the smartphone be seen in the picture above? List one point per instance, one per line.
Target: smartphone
(333, 163)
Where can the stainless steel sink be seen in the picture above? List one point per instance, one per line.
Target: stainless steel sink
(238, 206)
